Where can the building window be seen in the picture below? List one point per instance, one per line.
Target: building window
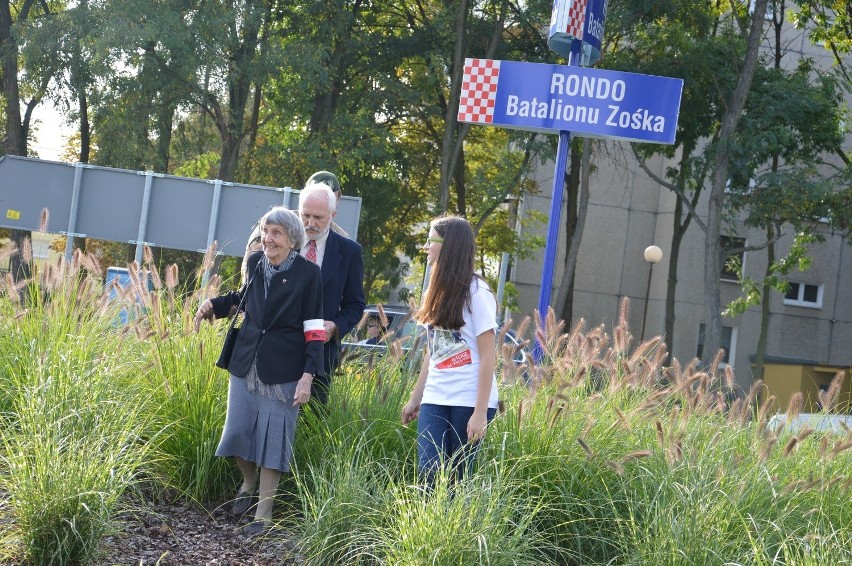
(728, 343)
(804, 295)
(729, 267)
(770, 9)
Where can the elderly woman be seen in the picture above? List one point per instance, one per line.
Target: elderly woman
(278, 351)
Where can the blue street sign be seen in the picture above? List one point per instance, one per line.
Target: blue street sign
(586, 102)
(581, 20)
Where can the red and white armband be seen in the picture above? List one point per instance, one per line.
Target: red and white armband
(314, 330)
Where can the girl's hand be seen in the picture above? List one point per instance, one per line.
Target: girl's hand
(476, 427)
(410, 412)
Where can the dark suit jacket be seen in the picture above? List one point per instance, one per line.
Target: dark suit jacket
(273, 328)
(342, 290)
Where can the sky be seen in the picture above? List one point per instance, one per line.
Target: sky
(52, 132)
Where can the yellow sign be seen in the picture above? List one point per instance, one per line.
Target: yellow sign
(13, 214)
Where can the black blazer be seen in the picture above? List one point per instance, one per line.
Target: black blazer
(342, 286)
(273, 329)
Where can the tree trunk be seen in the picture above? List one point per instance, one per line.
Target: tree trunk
(452, 137)
(715, 211)
(764, 307)
(678, 231)
(564, 303)
(15, 142)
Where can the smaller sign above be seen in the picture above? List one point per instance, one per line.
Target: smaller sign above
(578, 20)
(586, 102)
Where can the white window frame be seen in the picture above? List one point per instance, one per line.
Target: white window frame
(801, 302)
(722, 276)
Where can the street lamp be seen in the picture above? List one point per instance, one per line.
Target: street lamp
(653, 254)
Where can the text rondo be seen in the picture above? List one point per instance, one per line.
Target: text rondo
(587, 102)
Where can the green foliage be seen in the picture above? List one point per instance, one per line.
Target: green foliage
(73, 431)
(752, 292)
(606, 457)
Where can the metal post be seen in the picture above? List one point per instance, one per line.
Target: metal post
(143, 216)
(555, 214)
(645, 308)
(653, 254)
(72, 219)
(211, 228)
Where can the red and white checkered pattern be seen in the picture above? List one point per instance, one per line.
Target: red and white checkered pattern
(478, 91)
(573, 17)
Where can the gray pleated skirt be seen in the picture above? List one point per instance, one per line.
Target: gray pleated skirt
(260, 424)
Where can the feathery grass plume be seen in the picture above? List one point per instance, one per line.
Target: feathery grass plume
(805, 432)
(828, 399)
(147, 255)
(841, 446)
(768, 447)
(616, 466)
(794, 407)
(660, 436)
(27, 251)
(793, 486)
(766, 408)
(155, 278)
(791, 444)
(729, 377)
(8, 251)
(43, 220)
(635, 455)
(621, 333)
(674, 453)
(14, 288)
(207, 263)
(589, 452)
(383, 317)
(172, 278)
(749, 401)
(823, 445)
(92, 265)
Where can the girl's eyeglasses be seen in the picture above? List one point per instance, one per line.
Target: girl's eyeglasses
(431, 241)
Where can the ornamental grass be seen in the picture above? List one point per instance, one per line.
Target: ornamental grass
(601, 454)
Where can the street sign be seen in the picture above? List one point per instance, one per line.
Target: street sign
(581, 20)
(587, 102)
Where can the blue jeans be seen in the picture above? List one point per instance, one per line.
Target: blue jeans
(442, 439)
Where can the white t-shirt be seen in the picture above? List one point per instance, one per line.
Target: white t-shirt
(453, 376)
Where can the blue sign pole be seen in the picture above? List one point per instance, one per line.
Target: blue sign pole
(555, 217)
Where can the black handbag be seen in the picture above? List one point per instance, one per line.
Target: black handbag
(224, 360)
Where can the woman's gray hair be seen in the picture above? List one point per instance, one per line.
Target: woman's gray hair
(288, 220)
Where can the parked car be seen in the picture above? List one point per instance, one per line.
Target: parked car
(402, 331)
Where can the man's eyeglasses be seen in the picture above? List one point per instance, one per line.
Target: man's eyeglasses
(431, 241)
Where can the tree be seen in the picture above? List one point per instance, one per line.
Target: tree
(778, 180)
(722, 150)
(685, 41)
(35, 81)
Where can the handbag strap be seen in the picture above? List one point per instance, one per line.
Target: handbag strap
(242, 299)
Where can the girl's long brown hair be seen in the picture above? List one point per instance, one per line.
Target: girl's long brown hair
(448, 293)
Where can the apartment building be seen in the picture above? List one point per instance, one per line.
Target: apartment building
(810, 329)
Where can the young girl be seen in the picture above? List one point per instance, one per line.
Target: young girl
(456, 393)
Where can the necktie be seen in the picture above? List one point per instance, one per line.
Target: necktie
(312, 250)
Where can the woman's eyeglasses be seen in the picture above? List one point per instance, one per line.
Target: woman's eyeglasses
(431, 241)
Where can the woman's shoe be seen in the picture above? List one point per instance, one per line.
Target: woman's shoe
(242, 503)
(255, 528)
